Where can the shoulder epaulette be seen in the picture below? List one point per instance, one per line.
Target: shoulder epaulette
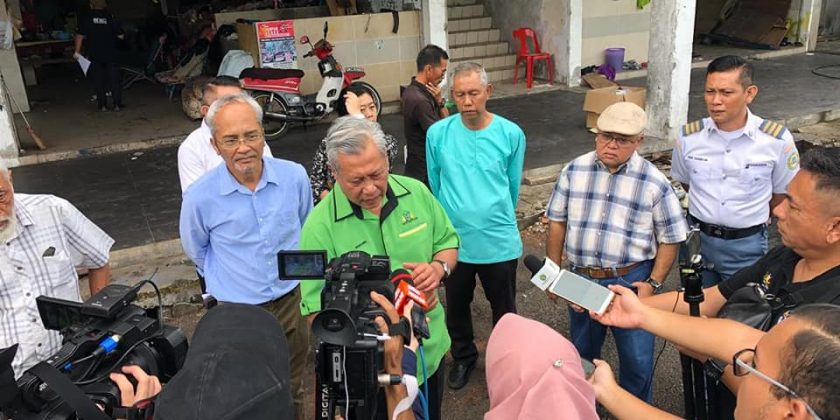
(773, 129)
(692, 127)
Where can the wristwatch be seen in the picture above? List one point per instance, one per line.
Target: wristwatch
(445, 266)
(657, 286)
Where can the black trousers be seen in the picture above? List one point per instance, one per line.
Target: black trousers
(106, 78)
(499, 283)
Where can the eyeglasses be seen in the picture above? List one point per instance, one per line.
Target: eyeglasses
(607, 138)
(249, 139)
(743, 362)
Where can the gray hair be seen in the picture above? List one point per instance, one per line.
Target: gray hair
(239, 98)
(349, 136)
(471, 67)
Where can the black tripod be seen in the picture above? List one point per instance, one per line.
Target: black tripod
(700, 397)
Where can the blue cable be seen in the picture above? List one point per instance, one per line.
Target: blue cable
(424, 399)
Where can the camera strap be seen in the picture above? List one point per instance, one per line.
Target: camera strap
(401, 328)
(66, 389)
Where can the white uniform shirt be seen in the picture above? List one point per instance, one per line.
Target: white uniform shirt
(53, 239)
(196, 156)
(731, 182)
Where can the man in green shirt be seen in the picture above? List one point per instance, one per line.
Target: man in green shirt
(382, 214)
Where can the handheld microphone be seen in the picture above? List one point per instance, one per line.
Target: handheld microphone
(405, 291)
(545, 272)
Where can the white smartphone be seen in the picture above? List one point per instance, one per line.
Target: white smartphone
(582, 292)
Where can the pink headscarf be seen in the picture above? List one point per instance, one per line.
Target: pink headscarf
(534, 373)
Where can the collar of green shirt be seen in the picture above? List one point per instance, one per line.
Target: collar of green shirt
(344, 208)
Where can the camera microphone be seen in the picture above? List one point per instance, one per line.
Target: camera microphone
(405, 291)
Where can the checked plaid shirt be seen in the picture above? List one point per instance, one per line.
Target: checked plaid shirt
(614, 220)
(53, 239)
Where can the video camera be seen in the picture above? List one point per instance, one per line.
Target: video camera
(349, 357)
(100, 336)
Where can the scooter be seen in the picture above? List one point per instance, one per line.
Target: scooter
(278, 90)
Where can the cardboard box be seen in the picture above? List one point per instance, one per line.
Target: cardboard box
(597, 100)
(598, 81)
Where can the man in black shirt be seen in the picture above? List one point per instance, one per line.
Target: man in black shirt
(422, 106)
(809, 223)
(99, 32)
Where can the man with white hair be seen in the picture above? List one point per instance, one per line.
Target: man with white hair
(474, 162)
(381, 214)
(43, 239)
(196, 155)
(237, 217)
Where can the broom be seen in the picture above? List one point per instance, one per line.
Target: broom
(35, 137)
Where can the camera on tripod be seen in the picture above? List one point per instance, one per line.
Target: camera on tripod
(100, 336)
(349, 357)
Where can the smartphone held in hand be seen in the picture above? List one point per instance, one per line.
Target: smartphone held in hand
(582, 292)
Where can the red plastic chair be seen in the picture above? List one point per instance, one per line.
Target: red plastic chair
(524, 54)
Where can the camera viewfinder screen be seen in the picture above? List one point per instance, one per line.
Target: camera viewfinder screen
(302, 265)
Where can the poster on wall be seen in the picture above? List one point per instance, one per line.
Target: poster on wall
(277, 44)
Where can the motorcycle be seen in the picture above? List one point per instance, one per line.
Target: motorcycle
(278, 90)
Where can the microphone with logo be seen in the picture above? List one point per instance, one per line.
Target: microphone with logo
(405, 292)
(545, 272)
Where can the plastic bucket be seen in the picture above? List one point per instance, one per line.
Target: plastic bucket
(614, 57)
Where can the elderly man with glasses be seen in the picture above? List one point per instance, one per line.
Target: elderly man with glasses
(237, 217)
(789, 372)
(619, 222)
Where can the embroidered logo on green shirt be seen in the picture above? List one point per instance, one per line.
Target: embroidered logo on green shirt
(408, 217)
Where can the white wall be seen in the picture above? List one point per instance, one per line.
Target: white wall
(614, 23)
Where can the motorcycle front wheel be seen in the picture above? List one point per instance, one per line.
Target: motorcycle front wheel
(274, 128)
(377, 100)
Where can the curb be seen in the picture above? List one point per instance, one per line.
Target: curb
(143, 253)
(153, 143)
(100, 150)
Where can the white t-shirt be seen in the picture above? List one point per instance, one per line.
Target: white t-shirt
(196, 156)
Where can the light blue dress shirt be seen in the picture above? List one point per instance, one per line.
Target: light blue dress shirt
(476, 175)
(233, 234)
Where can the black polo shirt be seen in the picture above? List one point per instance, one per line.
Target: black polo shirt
(775, 271)
(100, 30)
(420, 111)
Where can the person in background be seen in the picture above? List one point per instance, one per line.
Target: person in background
(98, 33)
(357, 102)
(422, 106)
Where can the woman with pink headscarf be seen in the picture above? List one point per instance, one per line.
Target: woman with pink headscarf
(534, 373)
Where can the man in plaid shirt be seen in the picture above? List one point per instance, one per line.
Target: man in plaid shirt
(619, 222)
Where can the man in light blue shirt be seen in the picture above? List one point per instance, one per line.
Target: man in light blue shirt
(474, 162)
(237, 217)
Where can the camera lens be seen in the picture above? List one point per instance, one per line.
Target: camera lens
(334, 324)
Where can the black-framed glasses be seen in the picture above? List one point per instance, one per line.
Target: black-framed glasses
(743, 363)
(622, 141)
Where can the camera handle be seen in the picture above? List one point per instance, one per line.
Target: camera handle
(700, 395)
